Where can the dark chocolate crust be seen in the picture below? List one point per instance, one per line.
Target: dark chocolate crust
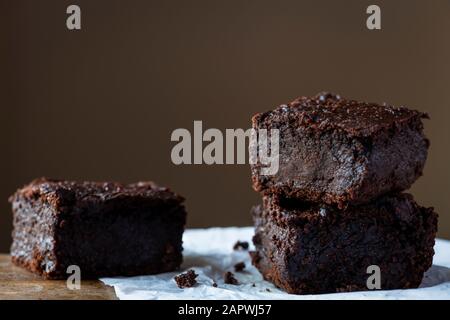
(107, 229)
(308, 248)
(340, 151)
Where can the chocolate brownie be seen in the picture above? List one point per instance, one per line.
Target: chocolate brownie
(341, 151)
(307, 248)
(107, 229)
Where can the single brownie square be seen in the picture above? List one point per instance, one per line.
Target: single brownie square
(106, 229)
(307, 248)
(340, 151)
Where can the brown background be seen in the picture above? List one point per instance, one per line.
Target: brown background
(101, 103)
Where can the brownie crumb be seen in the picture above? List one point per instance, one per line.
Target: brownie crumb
(230, 279)
(187, 279)
(253, 285)
(214, 285)
(268, 290)
(238, 267)
(240, 245)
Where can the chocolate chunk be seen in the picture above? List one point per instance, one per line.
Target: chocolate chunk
(187, 279)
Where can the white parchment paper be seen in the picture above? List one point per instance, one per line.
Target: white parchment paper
(210, 253)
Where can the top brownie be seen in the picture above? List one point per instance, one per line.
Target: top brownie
(340, 151)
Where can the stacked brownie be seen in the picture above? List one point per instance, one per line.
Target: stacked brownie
(335, 206)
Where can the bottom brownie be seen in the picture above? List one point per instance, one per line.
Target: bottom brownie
(307, 248)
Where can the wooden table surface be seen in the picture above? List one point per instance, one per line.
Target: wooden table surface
(17, 283)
